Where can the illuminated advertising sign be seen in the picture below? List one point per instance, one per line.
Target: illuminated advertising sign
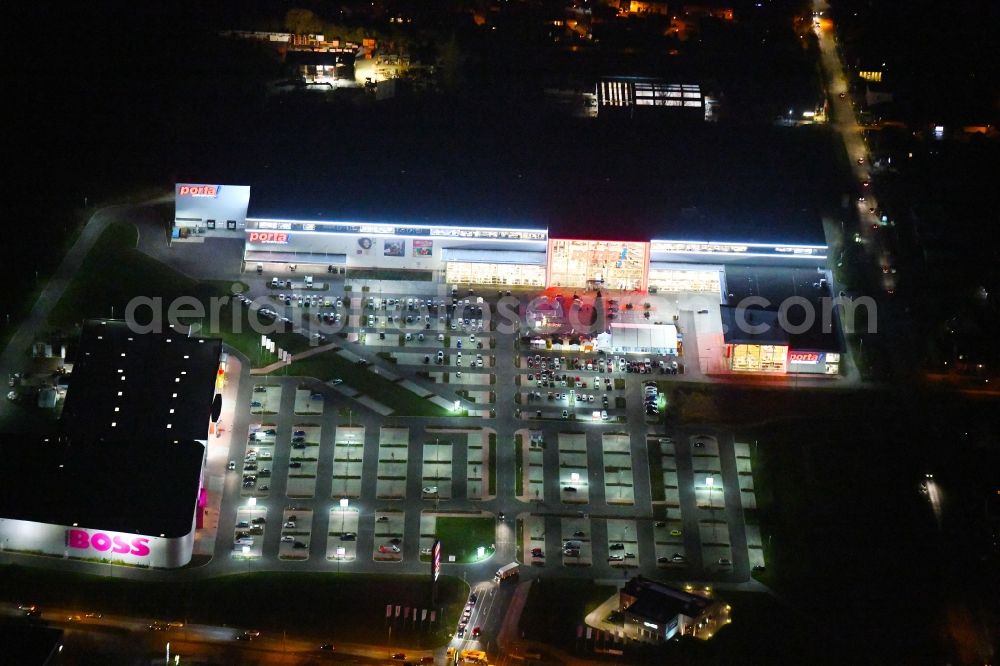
(423, 248)
(208, 191)
(269, 237)
(101, 542)
(614, 264)
(744, 249)
(436, 560)
(394, 248)
(373, 229)
(805, 357)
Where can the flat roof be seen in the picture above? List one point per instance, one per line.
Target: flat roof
(140, 487)
(643, 336)
(777, 283)
(660, 604)
(752, 326)
(138, 386)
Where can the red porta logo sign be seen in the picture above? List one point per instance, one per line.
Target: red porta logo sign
(273, 237)
(803, 357)
(101, 542)
(211, 191)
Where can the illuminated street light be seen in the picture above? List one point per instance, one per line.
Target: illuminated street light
(252, 502)
(344, 502)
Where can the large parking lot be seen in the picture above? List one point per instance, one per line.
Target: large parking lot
(595, 481)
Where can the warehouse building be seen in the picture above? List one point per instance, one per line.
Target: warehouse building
(124, 483)
(128, 502)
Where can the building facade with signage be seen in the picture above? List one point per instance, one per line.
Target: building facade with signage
(756, 342)
(512, 256)
(125, 481)
(481, 255)
(101, 501)
(202, 209)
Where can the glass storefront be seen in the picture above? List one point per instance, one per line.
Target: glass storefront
(758, 358)
(685, 281)
(611, 264)
(511, 275)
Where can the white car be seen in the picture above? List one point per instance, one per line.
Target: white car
(430, 490)
(290, 524)
(287, 538)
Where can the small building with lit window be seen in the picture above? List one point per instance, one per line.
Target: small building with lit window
(654, 612)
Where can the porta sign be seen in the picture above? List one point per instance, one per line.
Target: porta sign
(268, 237)
(804, 357)
(102, 543)
(210, 191)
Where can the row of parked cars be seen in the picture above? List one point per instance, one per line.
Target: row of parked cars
(651, 398)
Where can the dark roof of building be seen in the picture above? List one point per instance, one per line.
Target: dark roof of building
(129, 386)
(753, 326)
(139, 487)
(776, 284)
(659, 603)
(29, 644)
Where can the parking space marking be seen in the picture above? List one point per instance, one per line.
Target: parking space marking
(296, 533)
(342, 535)
(618, 483)
(308, 401)
(393, 454)
(258, 459)
(248, 537)
(266, 401)
(475, 469)
(623, 547)
(533, 536)
(436, 471)
(348, 458)
(576, 544)
(302, 464)
(389, 532)
(574, 484)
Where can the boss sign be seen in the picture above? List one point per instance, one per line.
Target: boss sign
(101, 542)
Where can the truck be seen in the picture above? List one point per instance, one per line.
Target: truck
(506, 572)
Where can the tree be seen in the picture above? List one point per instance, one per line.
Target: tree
(450, 59)
(302, 21)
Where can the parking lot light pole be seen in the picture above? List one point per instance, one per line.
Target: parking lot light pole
(710, 482)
